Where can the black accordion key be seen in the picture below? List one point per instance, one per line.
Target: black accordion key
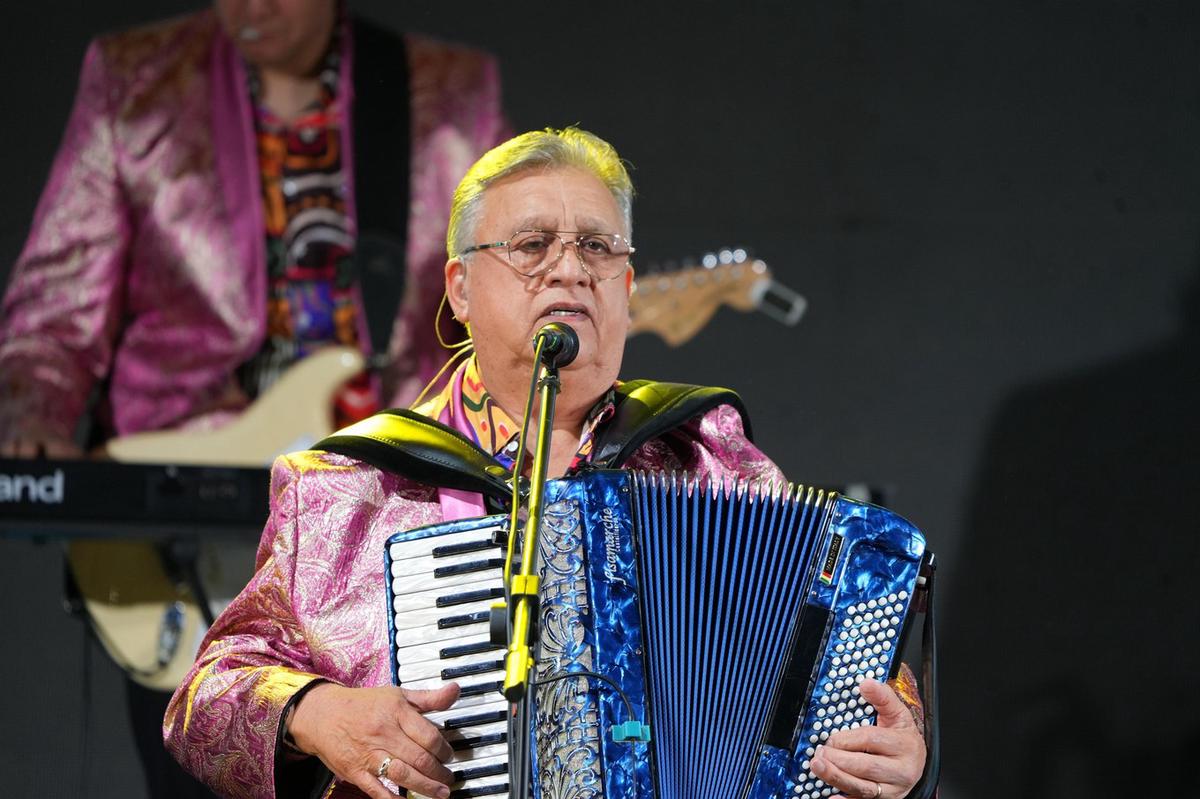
(467, 649)
(467, 597)
(468, 568)
(447, 550)
(476, 741)
(476, 720)
(474, 668)
(462, 621)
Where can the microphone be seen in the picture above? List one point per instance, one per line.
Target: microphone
(561, 345)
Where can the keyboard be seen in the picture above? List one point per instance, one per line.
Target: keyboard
(106, 499)
(441, 591)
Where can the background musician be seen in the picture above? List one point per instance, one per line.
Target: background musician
(198, 231)
(293, 680)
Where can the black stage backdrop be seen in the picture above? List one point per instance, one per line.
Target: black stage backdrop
(994, 211)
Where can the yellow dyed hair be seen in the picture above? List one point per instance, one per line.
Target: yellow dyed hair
(544, 149)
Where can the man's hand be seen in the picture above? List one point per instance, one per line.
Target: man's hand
(353, 730)
(874, 762)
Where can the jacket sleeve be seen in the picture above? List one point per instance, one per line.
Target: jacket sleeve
(223, 723)
(60, 314)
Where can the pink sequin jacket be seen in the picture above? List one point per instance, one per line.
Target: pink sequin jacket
(145, 265)
(316, 609)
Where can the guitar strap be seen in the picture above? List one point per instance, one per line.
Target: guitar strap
(382, 154)
(406, 443)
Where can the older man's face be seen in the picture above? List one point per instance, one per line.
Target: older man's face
(506, 310)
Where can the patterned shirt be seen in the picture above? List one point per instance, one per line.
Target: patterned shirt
(309, 237)
(466, 405)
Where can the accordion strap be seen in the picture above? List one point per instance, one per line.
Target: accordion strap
(404, 442)
(647, 409)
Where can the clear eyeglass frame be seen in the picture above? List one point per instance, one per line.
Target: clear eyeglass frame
(533, 253)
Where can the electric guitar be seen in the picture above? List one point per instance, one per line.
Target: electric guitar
(676, 303)
(151, 624)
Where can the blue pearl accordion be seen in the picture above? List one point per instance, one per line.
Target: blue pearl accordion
(736, 619)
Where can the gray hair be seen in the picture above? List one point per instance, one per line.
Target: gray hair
(548, 149)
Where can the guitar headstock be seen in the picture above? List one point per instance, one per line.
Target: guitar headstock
(676, 301)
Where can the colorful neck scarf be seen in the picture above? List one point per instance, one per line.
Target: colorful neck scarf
(466, 406)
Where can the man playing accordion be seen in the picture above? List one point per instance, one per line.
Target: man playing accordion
(292, 683)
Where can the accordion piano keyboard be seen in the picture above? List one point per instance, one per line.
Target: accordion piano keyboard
(442, 593)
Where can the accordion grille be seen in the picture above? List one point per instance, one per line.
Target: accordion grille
(722, 574)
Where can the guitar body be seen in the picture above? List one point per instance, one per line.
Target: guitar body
(293, 414)
(143, 611)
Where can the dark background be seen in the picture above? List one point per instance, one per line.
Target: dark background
(994, 211)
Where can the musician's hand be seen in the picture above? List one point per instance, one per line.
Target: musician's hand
(352, 730)
(36, 443)
(884, 760)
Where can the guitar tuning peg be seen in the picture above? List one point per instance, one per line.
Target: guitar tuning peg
(709, 260)
(725, 256)
(739, 255)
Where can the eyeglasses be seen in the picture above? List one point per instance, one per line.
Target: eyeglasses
(531, 253)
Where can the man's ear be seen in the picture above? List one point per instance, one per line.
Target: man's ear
(629, 281)
(456, 289)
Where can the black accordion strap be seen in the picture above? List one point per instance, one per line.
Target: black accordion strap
(647, 409)
(926, 788)
(405, 442)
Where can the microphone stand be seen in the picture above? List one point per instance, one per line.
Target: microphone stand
(522, 593)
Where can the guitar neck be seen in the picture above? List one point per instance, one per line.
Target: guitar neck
(677, 302)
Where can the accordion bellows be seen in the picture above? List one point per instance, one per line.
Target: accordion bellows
(737, 620)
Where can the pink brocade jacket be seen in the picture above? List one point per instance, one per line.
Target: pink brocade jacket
(145, 265)
(316, 606)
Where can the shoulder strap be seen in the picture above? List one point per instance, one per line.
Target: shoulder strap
(405, 442)
(647, 409)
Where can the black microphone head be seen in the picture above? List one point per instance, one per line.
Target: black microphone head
(561, 344)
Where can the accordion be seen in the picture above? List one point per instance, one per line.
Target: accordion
(735, 620)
